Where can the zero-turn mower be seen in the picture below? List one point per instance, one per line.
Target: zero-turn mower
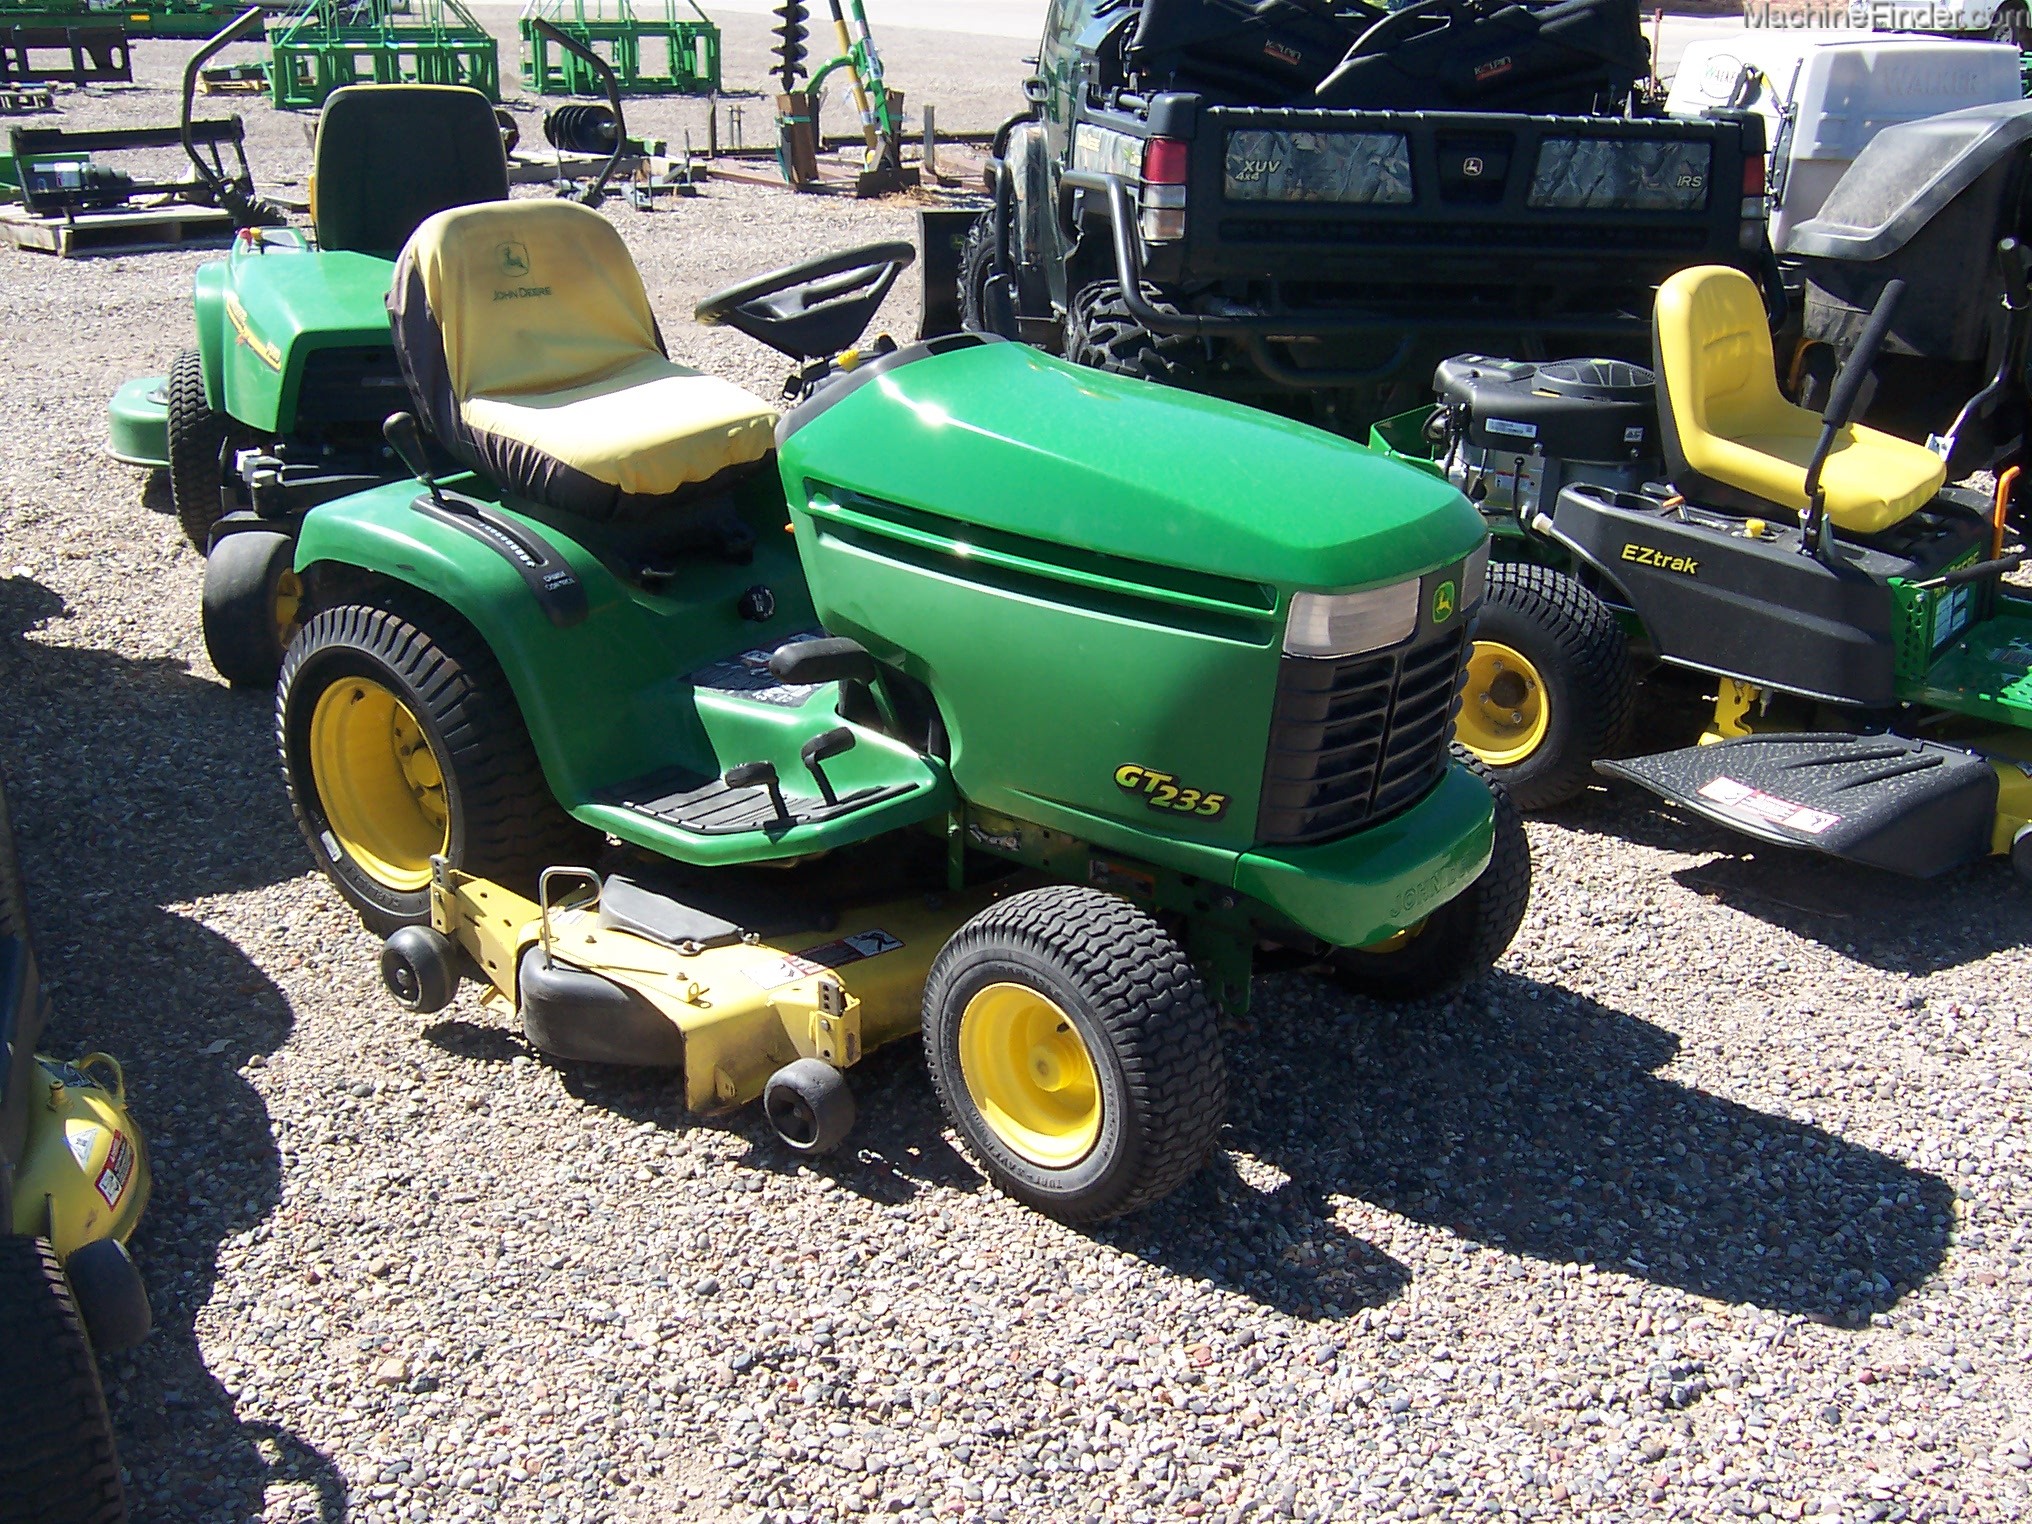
(73, 1181)
(977, 693)
(1873, 666)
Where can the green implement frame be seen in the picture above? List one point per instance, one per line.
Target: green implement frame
(690, 50)
(329, 44)
(148, 18)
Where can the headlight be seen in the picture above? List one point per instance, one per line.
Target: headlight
(1474, 577)
(1343, 624)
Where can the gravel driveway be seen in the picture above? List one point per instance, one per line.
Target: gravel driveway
(1712, 1201)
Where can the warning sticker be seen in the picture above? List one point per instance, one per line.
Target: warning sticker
(777, 972)
(118, 1171)
(1753, 804)
(82, 1138)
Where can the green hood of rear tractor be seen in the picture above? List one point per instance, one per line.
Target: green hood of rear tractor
(1003, 437)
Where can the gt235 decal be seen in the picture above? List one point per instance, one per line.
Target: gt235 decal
(1163, 791)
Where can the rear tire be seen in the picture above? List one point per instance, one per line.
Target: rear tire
(1076, 1051)
(1102, 333)
(197, 439)
(1461, 941)
(437, 762)
(1549, 686)
(252, 605)
(57, 1465)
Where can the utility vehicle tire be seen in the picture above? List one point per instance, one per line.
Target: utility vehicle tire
(1549, 684)
(252, 605)
(57, 1465)
(2010, 25)
(197, 437)
(977, 271)
(400, 739)
(1103, 333)
(1461, 941)
(1076, 1051)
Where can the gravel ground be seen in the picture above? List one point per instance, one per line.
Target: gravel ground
(1711, 1201)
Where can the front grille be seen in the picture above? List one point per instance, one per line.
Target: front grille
(1356, 739)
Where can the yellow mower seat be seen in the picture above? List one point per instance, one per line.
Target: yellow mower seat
(1732, 439)
(526, 337)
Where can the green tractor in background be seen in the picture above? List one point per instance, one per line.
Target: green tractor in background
(978, 694)
(278, 405)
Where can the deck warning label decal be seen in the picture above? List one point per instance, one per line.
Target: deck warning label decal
(777, 972)
(1758, 807)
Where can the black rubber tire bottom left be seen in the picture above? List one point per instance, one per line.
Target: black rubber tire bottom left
(57, 1462)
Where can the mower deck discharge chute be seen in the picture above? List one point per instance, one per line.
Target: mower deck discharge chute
(976, 693)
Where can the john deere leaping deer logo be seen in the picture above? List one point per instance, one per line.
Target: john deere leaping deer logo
(1442, 602)
(514, 259)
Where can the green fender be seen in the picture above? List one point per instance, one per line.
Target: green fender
(208, 307)
(607, 699)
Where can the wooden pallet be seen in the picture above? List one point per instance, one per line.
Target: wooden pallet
(18, 101)
(135, 230)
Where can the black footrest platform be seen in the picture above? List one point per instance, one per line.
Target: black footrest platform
(1913, 807)
(710, 808)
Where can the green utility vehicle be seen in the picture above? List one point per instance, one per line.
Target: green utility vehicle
(278, 405)
(978, 692)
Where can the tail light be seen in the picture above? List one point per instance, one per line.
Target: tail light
(1165, 163)
(1753, 201)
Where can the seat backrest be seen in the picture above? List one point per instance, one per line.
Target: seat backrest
(388, 156)
(1716, 372)
(513, 299)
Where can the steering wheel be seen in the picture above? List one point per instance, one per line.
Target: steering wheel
(815, 308)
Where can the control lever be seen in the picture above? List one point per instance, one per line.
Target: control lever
(822, 748)
(406, 440)
(752, 774)
(1841, 402)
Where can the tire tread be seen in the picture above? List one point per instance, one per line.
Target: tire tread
(58, 1464)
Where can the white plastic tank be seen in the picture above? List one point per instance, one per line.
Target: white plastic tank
(1823, 95)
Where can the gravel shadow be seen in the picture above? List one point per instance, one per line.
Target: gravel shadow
(136, 784)
(1528, 1118)
(1889, 922)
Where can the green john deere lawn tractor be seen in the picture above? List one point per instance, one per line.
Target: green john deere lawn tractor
(1871, 666)
(977, 694)
(278, 405)
(74, 1179)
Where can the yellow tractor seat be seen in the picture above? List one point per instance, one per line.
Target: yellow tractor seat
(387, 156)
(1733, 441)
(528, 344)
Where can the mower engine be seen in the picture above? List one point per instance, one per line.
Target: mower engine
(1511, 433)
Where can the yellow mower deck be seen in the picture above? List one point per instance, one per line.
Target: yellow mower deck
(84, 1173)
(744, 1010)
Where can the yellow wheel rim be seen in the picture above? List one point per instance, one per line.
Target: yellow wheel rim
(1397, 939)
(1030, 1075)
(1503, 711)
(381, 786)
(288, 608)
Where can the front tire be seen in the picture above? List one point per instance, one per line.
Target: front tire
(977, 279)
(57, 1465)
(252, 605)
(1549, 687)
(1076, 1052)
(400, 741)
(197, 440)
(2010, 25)
(1461, 941)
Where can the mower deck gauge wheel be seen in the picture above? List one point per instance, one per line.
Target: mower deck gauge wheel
(810, 1106)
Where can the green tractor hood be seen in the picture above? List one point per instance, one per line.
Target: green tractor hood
(1004, 438)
